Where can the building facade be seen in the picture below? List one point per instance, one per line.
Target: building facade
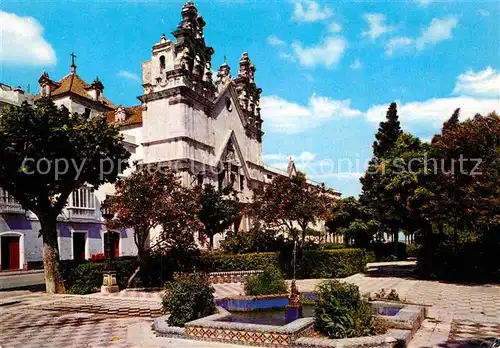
(208, 128)
(80, 228)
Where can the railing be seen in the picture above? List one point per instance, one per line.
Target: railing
(82, 205)
(8, 205)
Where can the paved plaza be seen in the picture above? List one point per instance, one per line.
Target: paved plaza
(459, 315)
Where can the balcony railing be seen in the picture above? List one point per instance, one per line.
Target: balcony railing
(82, 204)
(8, 205)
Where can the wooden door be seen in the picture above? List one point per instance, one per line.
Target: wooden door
(10, 253)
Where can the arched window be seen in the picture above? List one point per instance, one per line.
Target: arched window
(162, 63)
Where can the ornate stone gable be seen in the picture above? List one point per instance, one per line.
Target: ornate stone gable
(249, 96)
(193, 56)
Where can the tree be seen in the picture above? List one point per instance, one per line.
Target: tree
(353, 220)
(388, 133)
(155, 199)
(372, 186)
(218, 211)
(46, 153)
(293, 204)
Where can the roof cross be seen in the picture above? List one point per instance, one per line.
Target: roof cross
(73, 66)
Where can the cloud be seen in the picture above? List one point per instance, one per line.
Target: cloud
(484, 83)
(274, 40)
(128, 75)
(424, 2)
(334, 27)
(285, 116)
(310, 11)
(439, 29)
(356, 64)
(433, 112)
(484, 13)
(22, 43)
(377, 26)
(398, 44)
(287, 56)
(326, 53)
(474, 93)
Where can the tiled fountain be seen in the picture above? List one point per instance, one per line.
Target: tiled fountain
(261, 320)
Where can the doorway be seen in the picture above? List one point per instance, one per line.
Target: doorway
(79, 245)
(10, 253)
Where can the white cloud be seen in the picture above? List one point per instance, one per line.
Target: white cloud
(128, 75)
(439, 29)
(356, 64)
(287, 56)
(484, 13)
(335, 27)
(274, 40)
(310, 11)
(424, 2)
(433, 112)
(398, 44)
(22, 43)
(483, 83)
(475, 93)
(377, 26)
(326, 53)
(289, 117)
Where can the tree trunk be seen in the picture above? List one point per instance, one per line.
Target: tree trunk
(53, 280)
(142, 254)
(211, 242)
(395, 236)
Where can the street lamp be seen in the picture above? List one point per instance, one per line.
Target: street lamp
(109, 274)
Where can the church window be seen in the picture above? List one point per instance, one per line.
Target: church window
(269, 176)
(162, 63)
(229, 105)
(87, 112)
(200, 179)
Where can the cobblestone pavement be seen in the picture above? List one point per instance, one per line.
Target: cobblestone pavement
(459, 315)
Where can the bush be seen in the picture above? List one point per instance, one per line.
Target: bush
(340, 312)
(412, 249)
(255, 240)
(188, 297)
(239, 262)
(385, 251)
(332, 246)
(269, 282)
(338, 263)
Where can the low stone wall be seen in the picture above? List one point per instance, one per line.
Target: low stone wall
(230, 277)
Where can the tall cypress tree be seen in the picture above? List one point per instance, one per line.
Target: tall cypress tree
(452, 121)
(388, 133)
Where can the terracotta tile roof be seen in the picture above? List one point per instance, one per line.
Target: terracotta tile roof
(133, 116)
(72, 83)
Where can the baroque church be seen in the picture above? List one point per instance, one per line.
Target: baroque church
(208, 128)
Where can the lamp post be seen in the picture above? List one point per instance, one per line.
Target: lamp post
(109, 274)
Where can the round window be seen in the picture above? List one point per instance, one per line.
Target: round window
(229, 105)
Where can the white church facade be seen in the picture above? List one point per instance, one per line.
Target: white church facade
(208, 128)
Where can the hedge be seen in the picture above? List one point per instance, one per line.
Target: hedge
(86, 277)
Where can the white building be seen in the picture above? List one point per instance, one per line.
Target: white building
(209, 130)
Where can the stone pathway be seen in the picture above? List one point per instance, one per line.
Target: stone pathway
(459, 315)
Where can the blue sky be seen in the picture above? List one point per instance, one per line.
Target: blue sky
(328, 70)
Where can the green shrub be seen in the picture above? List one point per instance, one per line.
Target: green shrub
(239, 262)
(385, 251)
(370, 257)
(188, 297)
(338, 263)
(412, 249)
(332, 246)
(340, 312)
(269, 282)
